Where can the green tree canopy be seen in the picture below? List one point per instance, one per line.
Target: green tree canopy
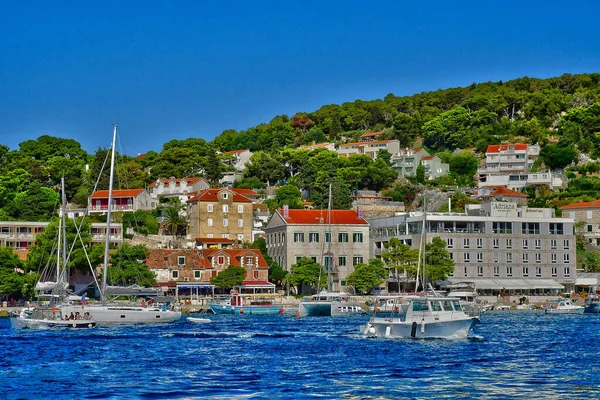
(230, 277)
(438, 263)
(307, 272)
(366, 276)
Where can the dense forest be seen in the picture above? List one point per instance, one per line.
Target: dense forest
(562, 114)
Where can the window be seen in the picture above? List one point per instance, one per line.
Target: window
(327, 262)
(343, 237)
(240, 209)
(496, 257)
(298, 237)
(225, 235)
(209, 222)
(357, 237)
(357, 260)
(298, 258)
(255, 274)
(313, 237)
(531, 228)
(525, 271)
(553, 258)
(450, 243)
(525, 244)
(588, 214)
(327, 237)
(479, 270)
(509, 271)
(538, 243)
(508, 257)
(589, 228)
(249, 260)
(181, 260)
(553, 244)
(479, 243)
(314, 258)
(466, 243)
(509, 243)
(220, 260)
(175, 274)
(465, 271)
(502, 227)
(538, 272)
(466, 257)
(566, 258)
(571, 214)
(566, 244)
(554, 272)
(209, 235)
(496, 270)
(225, 208)
(342, 261)
(225, 196)
(240, 223)
(209, 208)
(556, 228)
(525, 258)
(538, 258)
(240, 237)
(225, 222)
(495, 243)
(196, 274)
(567, 271)
(479, 257)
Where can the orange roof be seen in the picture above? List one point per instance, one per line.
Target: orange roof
(235, 255)
(211, 195)
(414, 149)
(495, 148)
(368, 143)
(178, 180)
(245, 192)
(103, 194)
(21, 253)
(140, 156)
(427, 157)
(338, 217)
(502, 191)
(369, 134)
(581, 204)
(235, 151)
(214, 240)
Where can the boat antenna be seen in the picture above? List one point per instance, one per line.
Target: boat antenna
(108, 216)
(422, 246)
(330, 266)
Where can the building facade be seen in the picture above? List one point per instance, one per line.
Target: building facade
(220, 213)
(237, 159)
(497, 245)
(407, 160)
(126, 200)
(175, 187)
(338, 246)
(587, 219)
(369, 145)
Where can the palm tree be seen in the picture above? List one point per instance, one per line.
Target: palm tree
(174, 222)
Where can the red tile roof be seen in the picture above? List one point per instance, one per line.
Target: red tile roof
(211, 195)
(103, 194)
(369, 134)
(367, 143)
(235, 152)
(427, 157)
(245, 192)
(191, 181)
(338, 217)
(502, 191)
(257, 283)
(495, 148)
(140, 156)
(583, 205)
(414, 149)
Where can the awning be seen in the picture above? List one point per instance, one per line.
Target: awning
(480, 284)
(586, 282)
(544, 284)
(509, 284)
(189, 286)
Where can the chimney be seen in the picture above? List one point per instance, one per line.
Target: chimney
(359, 211)
(286, 211)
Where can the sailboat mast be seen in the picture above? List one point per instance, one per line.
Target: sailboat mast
(108, 215)
(422, 246)
(329, 244)
(64, 232)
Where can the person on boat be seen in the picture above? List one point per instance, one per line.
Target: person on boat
(77, 315)
(66, 317)
(83, 300)
(72, 316)
(143, 303)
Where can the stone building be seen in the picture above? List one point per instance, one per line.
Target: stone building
(587, 219)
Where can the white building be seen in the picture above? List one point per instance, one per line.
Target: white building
(587, 218)
(369, 145)
(293, 234)
(497, 245)
(177, 187)
(237, 159)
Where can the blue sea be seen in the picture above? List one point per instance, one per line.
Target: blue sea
(527, 355)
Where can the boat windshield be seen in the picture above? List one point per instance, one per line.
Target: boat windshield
(447, 304)
(419, 305)
(457, 306)
(436, 306)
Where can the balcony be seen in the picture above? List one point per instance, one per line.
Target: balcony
(113, 209)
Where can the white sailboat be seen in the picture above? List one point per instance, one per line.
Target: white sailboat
(328, 303)
(46, 314)
(107, 313)
(426, 317)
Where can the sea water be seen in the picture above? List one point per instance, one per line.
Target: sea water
(511, 355)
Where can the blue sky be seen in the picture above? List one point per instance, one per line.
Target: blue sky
(172, 70)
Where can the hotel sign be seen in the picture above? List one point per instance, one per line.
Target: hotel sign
(504, 206)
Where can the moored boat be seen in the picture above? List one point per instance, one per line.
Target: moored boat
(592, 304)
(253, 304)
(329, 304)
(51, 318)
(565, 307)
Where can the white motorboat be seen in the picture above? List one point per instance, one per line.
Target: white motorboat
(384, 306)
(329, 304)
(427, 317)
(468, 301)
(592, 304)
(565, 307)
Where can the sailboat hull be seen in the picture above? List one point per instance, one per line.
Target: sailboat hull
(115, 314)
